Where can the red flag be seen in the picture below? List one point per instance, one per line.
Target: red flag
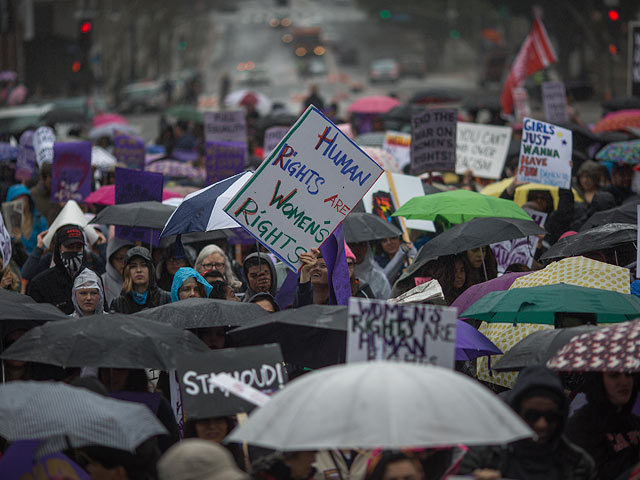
(535, 54)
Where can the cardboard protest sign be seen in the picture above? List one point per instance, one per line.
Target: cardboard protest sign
(554, 98)
(12, 213)
(260, 367)
(518, 250)
(225, 126)
(138, 186)
(482, 149)
(71, 171)
(5, 243)
(304, 189)
(224, 159)
(545, 154)
(398, 144)
(129, 149)
(26, 161)
(43, 140)
(272, 137)
(433, 141)
(414, 333)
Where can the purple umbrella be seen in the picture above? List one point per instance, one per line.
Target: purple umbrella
(175, 168)
(476, 292)
(471, 344)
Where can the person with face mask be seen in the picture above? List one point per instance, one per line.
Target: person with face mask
(55, 284)
(87, 294)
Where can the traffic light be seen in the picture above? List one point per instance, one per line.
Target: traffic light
(613, 15)
(385, 14)
(182, 44)
(85, 27)
(76, 66)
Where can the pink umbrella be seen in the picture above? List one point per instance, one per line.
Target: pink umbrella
(108, 118)
(476, 292)
(107, 195)
(17, 95)
(373, 104)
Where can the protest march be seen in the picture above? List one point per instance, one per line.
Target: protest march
(342, 240)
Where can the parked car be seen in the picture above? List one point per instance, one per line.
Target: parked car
(384, 70)
(142, 97)
(413, 66)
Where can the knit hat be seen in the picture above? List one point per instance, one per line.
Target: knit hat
(196, 459)
(348, 252)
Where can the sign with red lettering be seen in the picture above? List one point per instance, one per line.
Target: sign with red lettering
(304, 189)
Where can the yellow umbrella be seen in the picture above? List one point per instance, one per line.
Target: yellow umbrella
(520, 195)
(495, 189)
(579, 271)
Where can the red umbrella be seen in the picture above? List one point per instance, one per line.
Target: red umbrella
(618, 121)
(373, 104)
(107, 195)
(108, 118)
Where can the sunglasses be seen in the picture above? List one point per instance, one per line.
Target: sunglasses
(532, 416)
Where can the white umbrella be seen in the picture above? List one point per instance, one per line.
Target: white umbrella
(109, 130)
(239, 97)
(381, 404)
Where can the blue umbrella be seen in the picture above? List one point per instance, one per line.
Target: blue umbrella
(471, 344)
(202, 211)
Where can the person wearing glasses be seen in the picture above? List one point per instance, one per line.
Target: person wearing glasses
(538, 397)
(212, 257)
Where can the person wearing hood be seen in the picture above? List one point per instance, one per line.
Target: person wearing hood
(87, 294)
(117, 248)
(55, 284)
(32, 222)
(187, 283)
(139, 290)
(260, 275)
(605, 426)
(367, 270)
(537, 397)
(171, 261)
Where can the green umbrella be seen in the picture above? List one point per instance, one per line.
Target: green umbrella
(185, 112)
(459, 206)
(538, 304)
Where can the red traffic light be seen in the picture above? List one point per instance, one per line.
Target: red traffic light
(76, 66)
(613, 15)
(85, 27)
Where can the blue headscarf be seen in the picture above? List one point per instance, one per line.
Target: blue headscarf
(181, 275)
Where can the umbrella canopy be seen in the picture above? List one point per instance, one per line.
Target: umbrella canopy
(471, 344)
(621, 103)
(472, 234)
(115, 341)
(538, 304)
(100, 158)
(136, 214)
(389, 405)
(108, 118)
(14, 306)
(176, 169)
(580, 271)
(365, 227)
(383, 158)
(619, 120)
(373, 104)
(521, 193)
(435, 95)
(185, 112)
(538, 348)
(240, 98)
(202, 211)
(204, 312)
(65, 416)
(10, 296)
(107, 195)
(17, 96)
(479, 290)
(458, 206)
(110, 129)
(627, 152)
(626, 213)
(598, 238)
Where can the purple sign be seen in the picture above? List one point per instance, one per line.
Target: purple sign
(26, 162)
(19, 463)
(71, 172)
(223, 160)
(138, 186)
(433, 140)
(129, 149)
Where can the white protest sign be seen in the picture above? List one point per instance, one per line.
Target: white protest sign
(240, 389)
(518, 250)
(433, 141)
(398, 144)
(545, 154)
(304, 189)
(226, 126)
(482, 149)
(409, 332)
(5, 244)
(43, 140)
(554, 98)
(272, 137)
(521, 102)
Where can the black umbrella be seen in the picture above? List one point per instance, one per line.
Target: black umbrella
(538, 348)
(44, 312)
(204, 313)
(196, 238)
(399, 118)
(14, 297)
(472, 234)
(313, 336)
(436, 95)
(365, 227)
(598, 238)
(621, 103)
(626, 213)
(115, 341)
(483, 101)
(136, 214)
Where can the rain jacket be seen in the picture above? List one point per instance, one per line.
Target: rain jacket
(274, 279)
(39, 222)
(610, 435)
(558, 459)
(112, 279)
(181, 275)
(369, 271)
(332, 465)
(87, 279)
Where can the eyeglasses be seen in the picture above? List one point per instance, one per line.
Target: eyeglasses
(532, 416)
(211, 266)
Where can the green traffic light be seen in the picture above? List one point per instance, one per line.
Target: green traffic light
(385, 14)
(182, 45)
(455, 34)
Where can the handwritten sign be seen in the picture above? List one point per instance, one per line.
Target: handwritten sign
(260, 367)
(43, 140)
(26, 161)
(554, 98)
(398, 144)
(129, 150)
(71, 171)
(482, 149)
(223, 160)
(5, 244)
(545, 154)
(518, 250)
(225, 126)
(137, 186)
(304, 189)
(272, 137)
(433, 141)
(415, 333)
(633, 65)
